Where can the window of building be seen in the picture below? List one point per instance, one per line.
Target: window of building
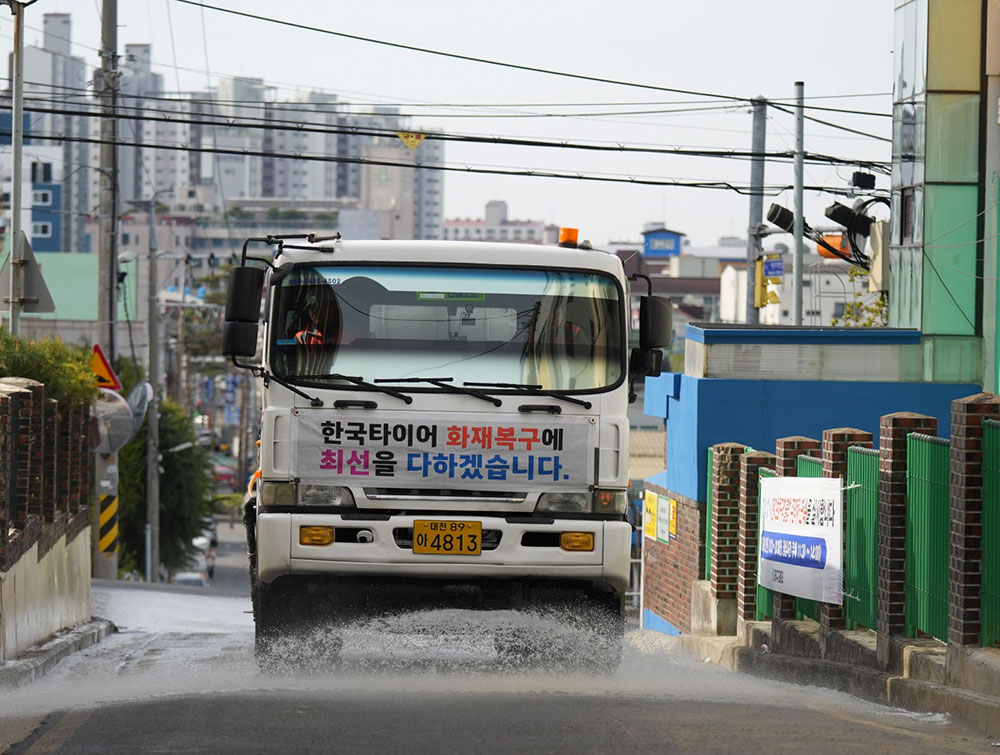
(906, 216)
(41, 197)
(531, 233)
(41, 230)
(503, 233)
(838, 308)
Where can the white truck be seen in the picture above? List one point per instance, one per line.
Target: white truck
(443, 424)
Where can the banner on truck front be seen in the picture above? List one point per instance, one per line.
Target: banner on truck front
(473, 451)
(801, 537)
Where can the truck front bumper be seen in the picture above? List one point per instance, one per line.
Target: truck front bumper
(279, 551)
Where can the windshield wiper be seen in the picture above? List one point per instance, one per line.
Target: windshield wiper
(268, 376)
(444, 383)
(358, 381)
(526, 388)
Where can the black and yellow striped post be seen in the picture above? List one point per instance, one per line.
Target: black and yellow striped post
(105, 543)
(107, 540)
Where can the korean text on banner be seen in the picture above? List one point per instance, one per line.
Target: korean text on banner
(801, 537)
(477, 451)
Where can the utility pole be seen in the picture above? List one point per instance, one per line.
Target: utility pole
(17, 137)
(797, 228)
(182, 376)
(107, 304)
(756, 200)
(153, 411)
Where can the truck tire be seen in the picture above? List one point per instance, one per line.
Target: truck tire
(288, 633)
(585, 633)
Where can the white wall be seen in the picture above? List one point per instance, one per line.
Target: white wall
(38, 598)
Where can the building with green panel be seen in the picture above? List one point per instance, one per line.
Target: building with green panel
(943, 246)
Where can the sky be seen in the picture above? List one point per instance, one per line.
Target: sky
(840, 49)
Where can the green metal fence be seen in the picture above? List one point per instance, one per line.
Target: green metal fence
(708, 517)
(807, 466)
(765, 596)
(927, 527)
(990, 616)
(861, 537)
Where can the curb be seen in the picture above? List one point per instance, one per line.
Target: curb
(979, 711)
(39, 660)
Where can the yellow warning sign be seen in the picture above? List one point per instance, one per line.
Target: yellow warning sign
(99, 365)
(410, 139)
(649, 514)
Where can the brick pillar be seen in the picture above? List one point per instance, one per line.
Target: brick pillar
(18, 461)
(50, 460)
(80, 447)
(893, 429)
(746, 591)
(725, 518)
(786, 465)
(966, 503)
(835, 445)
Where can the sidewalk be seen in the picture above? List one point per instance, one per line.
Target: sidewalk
(36, 662)
(794, 655)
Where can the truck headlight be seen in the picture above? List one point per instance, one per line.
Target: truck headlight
(567, 502)
(325, 495)
(610, 501)
(277, 493)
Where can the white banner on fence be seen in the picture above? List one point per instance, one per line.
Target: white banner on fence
(801, 537)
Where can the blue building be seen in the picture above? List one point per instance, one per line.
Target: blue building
(661, 242)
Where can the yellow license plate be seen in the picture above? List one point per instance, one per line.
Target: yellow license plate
(447, 538)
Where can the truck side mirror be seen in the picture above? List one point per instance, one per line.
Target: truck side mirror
(239, 339)
(243, 294)
(656, 322)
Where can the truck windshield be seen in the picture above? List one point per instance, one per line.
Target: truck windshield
(561, 330)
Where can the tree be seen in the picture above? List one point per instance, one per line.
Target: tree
(185, 486)
(866, 310)
(64, 369)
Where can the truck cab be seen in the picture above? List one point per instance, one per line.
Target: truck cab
(442, 424)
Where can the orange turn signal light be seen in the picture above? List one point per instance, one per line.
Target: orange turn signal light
(576, 541)
(315, 535)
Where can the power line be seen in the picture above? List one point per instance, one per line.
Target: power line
(458, 56)
(526, 173)
(830, 124)
(277, 125)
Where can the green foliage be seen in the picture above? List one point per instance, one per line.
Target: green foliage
(185, 486)
(278, 214)
(238, 213)
(64, 369)
(327, 216)
(863, 311)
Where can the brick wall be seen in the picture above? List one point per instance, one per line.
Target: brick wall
(746, 595)
(670, 569)
(44, 470)
(834, 457)
(966, 512)
(725, 518)
(893, 429)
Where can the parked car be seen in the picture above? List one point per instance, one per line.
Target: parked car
(224, 476)
(190, 579)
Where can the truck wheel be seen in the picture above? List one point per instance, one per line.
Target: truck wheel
(603, 642)
(579, 634)
(271, 623)
(288, 633)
